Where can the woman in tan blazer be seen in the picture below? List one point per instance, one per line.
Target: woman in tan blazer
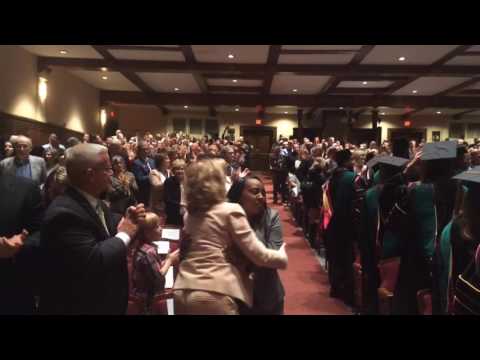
(214, 273)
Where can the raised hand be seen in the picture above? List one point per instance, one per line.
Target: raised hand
(10, 247)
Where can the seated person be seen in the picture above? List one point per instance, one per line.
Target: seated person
(149, 270)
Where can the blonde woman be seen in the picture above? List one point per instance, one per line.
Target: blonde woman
(214, 274)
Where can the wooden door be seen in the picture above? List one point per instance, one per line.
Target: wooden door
(260, 140)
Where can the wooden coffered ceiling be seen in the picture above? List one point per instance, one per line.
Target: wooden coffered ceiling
(417, 78)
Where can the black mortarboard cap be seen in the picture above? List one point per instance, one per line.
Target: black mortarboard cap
(387, 160)
(439, 150)
(470, 176)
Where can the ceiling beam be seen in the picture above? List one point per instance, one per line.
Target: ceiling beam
(470, 92)
(354, 101)
(461, 114)
(144, 48)
(459, 50)
(130, 75)
(234, 76)
(272, 60)
(200, 80)
(255, 89)
(260, 69)
(459, 87)
(362, 54)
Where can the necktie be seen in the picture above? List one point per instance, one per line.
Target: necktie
(101, 215)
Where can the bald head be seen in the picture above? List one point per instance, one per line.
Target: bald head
(82, 157)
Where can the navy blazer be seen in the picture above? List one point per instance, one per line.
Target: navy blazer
(141, 171)
(85, 268)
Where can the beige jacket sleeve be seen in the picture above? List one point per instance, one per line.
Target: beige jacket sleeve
(244, 237)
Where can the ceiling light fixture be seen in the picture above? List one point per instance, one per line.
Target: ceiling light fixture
(286, 112)
(237, 109)
(365, 83)
(382, 113)
(63, 52)
(104, 69)
(439, 112)
(402, 58)
(295, 90)
(185, 107)
(414, 91)
(231, 56)
(235, 80)
(176, 89)
(104, 77)
(341, 107)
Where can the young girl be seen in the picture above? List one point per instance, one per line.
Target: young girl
(149, 270)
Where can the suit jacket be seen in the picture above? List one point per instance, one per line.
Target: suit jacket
(85, 268)
(221, 241)
(172, 201)
(141, 170)
(38, 165)
(20, 208)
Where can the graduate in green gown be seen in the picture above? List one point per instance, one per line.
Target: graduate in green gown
(427, 208)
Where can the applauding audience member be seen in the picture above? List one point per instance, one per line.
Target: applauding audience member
(84, 246)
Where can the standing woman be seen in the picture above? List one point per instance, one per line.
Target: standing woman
(124, 187)
(268, 292)
(214, 275)
(157, 181)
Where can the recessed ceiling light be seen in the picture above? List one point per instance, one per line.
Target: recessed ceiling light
(63, 52)
(176, 89)
(439, 112)
(402, 58)
(341, 107)
(286, 112)
(104, 77)
(365, 83)
(185, 107)
(382, 113)
(104, 69)
(295, 90)
(235, 80)
(231, 56)
(237, 109)
(414, 91)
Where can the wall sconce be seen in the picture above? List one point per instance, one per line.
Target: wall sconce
(103, 117)
(42, 89)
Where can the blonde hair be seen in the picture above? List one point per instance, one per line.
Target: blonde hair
(151, 222)
(205, 185)
(178, 164)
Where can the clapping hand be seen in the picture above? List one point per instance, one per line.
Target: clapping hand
(238, 174)
(9, 247)
(136, 213)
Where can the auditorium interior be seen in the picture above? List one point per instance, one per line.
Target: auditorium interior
(267, 96)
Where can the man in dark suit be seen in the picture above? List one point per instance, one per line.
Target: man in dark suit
(174, 199)
(84, 248)
(20, 211)
(141, 169)
(23, 164)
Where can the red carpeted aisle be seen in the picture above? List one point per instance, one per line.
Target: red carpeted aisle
(305, 281)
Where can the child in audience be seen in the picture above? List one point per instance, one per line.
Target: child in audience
(149, 270)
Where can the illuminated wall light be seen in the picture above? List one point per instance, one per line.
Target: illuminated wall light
(42, 89)
(104, 69)
(103, 117)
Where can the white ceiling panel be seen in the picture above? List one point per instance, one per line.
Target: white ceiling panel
(115, 81)
(178, 108)
(242, 109)
(148, 55)
(315, 59)
(229, 82)
(73, 51)
(464, 60)
(168, 82)
(321, 47)
(370, 84)
(244, 54)
(415, 54)
(430, 85)
(443, 111)
(306, 85)
(474, 86)
(474, 48)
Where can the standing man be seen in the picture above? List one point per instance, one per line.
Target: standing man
(23, 164)
(84, 247)
(141, 169)
(53, 143)
(21, 213)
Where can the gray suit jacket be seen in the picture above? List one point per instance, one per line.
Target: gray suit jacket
(38, 165)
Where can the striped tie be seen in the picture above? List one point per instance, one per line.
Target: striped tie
(101, 215)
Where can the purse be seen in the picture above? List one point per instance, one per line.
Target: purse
(466, 300)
